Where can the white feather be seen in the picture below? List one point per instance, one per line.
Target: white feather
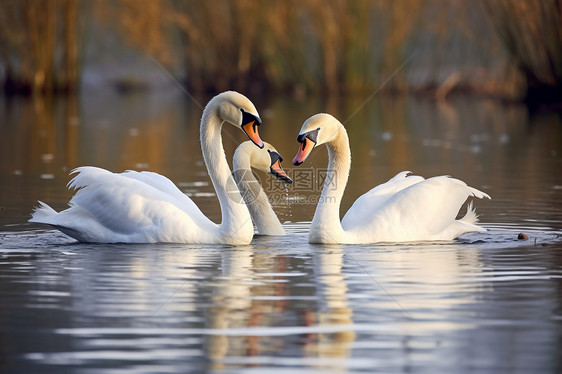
(145, 207)
(406, 208)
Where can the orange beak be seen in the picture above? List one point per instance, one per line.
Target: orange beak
(251, 129)
(304, 150)
(278, 171)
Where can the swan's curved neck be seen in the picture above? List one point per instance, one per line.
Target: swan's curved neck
(236, 221)
(262, 213)
(326, 224)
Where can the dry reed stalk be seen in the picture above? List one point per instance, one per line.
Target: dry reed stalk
(333, 46)
(39, 48)
(531, 32)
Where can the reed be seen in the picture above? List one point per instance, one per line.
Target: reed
(316, 46)
(39, 41)
(531, 31)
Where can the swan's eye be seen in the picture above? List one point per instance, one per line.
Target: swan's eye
(248, 117)
(311, 135)
(274, 157)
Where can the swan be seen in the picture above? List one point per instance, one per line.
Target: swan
(269, 161)
(406, 208)
(146, 207)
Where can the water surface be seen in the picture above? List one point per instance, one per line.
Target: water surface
(485, 303)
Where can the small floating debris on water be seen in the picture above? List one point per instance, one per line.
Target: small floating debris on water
(204, 194)
(522, 236)
(386, 136)
(193, 184)
(47, 157)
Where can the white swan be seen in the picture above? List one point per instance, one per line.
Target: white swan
(269, 161)
(406, 208)
(146, 207)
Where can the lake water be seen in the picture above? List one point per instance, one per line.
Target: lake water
(485, 303)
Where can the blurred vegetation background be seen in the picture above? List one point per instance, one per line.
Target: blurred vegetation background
(511, 49)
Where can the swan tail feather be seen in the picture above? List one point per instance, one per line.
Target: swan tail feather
(470, 217)
(477, 193)
(42, 213)
(85, 176)
(468, 223)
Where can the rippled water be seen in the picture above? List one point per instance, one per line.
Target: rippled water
(486, 303)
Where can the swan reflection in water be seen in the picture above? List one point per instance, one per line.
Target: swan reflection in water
(333, 305)
(253, 294)
(330, 307)
(261, 302)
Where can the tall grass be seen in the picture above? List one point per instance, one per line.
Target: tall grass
(335, 46)
(532, 32)
(39, 42)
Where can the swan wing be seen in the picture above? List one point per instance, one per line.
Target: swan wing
(166, 186)
(425, 210)
(127, 207)
(374, 199)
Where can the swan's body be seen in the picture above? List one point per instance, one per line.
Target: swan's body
(406, 208)
(145, 207)
(268, 160)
